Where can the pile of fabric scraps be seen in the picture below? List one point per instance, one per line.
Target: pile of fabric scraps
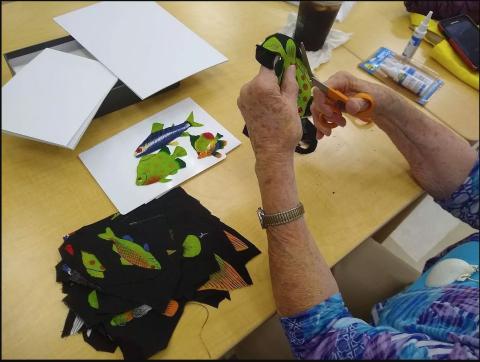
(128, 277)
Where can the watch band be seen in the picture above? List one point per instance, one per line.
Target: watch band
(280, 218)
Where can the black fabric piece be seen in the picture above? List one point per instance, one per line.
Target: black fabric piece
(67, 274)
(251, 250)
(282, 38)
(245, 131)
(265, 57)
(309, 141)
(143, 337)
(69, 324)
(98, 340)
(131, 282)
(109, 306)
(211, 297)
(137, 308)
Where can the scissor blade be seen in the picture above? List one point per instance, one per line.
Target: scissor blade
(322, 86)
(303, 52)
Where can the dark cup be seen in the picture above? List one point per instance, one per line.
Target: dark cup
(314, 21)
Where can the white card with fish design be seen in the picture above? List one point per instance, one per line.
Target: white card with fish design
(113, 165)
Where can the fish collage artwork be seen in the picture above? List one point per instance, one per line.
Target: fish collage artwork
(158, 166)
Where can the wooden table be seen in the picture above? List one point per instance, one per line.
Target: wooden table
(353, 184)
(386, 23)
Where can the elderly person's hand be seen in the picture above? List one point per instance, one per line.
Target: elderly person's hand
(388, 103)
(439, 159)
(270, 113)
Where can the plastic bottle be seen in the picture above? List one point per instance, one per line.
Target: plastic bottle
(407, 76)
(417, 37)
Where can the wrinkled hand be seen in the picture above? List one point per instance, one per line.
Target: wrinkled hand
(270, 113)
(349, 85)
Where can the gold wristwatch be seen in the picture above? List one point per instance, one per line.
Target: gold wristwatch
(280, 218)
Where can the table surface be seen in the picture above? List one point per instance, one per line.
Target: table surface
(353, 184)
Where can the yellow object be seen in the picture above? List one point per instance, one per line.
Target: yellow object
(446, 56)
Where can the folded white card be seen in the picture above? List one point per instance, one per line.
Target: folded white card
(113, 165)
(141, 43)
(54, 97)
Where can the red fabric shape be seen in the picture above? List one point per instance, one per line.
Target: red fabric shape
(69, 249)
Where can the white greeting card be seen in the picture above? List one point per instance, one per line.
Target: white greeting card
(192, 148)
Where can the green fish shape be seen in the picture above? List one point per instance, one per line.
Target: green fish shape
(158, 166)
(93, 299)
(206, 144)
(92, 265)
(286, 48)
(130, 253)
(191, 246)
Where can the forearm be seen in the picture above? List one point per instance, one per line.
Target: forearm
(439, 159)
(300, 276)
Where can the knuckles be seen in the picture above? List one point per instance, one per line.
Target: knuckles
(252, 92)
(343, 75)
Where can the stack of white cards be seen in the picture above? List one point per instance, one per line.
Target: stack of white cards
(54, 98)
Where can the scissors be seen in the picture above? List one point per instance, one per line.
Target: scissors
(338, 97)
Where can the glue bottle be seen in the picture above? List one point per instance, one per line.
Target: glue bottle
(417, 37)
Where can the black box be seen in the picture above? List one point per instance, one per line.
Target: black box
(119, 97)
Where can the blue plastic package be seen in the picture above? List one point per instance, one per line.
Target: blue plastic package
(390, 67)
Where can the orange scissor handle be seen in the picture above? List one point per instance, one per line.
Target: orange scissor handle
(341, 99)
(366, 115)
(337, 96)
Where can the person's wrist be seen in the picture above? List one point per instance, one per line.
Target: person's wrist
(269, 165)
(276, 181)
(390, 105)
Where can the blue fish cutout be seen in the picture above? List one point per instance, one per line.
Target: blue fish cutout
(146, 247)
(127, 237)
(160, 137)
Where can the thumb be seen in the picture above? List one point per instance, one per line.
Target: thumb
(267, 74)
(355, 105)
(289, 85)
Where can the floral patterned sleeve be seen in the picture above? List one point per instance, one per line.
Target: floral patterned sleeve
(463, 203)
(421, 323)
(328, 331)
